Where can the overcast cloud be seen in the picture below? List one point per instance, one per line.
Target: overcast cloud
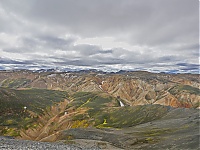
(153, 35)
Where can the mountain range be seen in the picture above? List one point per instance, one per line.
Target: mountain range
(116, 110)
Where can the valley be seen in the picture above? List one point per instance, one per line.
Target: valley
(123, 110)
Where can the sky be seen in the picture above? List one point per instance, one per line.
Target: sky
(109, 35)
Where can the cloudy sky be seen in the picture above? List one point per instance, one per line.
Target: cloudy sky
(152, 35)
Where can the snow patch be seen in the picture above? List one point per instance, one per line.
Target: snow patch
(100, 87)
(121, 104)
(51, 75)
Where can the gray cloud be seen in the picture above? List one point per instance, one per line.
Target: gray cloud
(157, 32)
(9, 61)
(188, 66)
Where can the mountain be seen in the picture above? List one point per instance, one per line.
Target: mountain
(123, 110)
(135, 88)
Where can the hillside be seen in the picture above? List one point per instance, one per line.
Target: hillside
(125, 110)
(19, 108)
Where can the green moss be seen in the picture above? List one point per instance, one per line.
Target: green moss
(15, 83)
(10, 132)
(134, 116)
(10, 122)
(79, 117)
(196, 105)
(69, 141)
(157, 132)
(187, 88)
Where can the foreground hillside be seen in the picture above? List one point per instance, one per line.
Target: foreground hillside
(137, 127)
(91, 119)
(135, 88)
(175, 129)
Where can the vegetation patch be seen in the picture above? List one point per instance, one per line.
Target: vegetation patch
(157, 132)
(187, 88)
(15, 83)
(134, 116)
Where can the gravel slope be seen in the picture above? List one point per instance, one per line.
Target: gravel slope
(7, 143)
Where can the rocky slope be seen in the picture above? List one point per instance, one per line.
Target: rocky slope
(7, 143)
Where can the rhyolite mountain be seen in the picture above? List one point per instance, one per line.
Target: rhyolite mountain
(135, 88)
(124, 110)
